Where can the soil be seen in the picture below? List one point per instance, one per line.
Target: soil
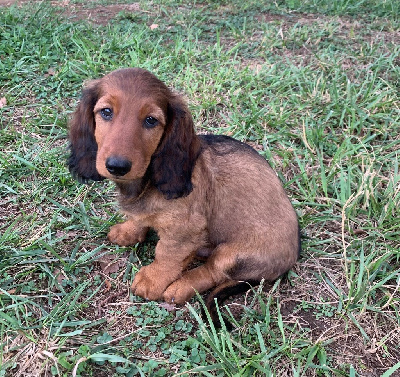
(100, 15)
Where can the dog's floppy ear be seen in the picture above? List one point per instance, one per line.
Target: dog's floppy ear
(173, 162)
(83, 146)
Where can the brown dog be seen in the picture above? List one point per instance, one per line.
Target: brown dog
(207, 196)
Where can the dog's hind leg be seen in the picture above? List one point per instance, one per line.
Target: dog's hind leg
(230, 264)
(214, 272)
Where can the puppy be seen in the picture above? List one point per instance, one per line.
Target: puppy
(206, 196)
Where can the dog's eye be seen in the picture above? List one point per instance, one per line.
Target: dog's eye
(150, 122)
(106, 113)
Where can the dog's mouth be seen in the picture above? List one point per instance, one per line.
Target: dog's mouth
(128, 178)
(120, 179)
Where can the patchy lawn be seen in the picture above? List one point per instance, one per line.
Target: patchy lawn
(312, 85)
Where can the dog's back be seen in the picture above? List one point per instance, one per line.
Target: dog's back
(249, 209)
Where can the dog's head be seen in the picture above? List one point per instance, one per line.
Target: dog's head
(128, 125)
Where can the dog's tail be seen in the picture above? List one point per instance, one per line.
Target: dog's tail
(223, 292)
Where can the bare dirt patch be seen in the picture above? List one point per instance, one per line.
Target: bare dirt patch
(96, 14)
(100, 15)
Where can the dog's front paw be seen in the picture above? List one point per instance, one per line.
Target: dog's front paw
(126, 234)
(149, 284)
(179, 292)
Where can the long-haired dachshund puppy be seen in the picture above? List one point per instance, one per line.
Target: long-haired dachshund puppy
(206, 196)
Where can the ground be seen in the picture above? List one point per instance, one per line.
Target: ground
(330, 84)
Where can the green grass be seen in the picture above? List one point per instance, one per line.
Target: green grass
(313, 85)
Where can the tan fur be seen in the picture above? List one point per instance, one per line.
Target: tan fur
(236, 216)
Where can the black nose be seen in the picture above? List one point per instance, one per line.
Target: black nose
(118, 166)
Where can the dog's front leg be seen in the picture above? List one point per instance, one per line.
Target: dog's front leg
(170, 260)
